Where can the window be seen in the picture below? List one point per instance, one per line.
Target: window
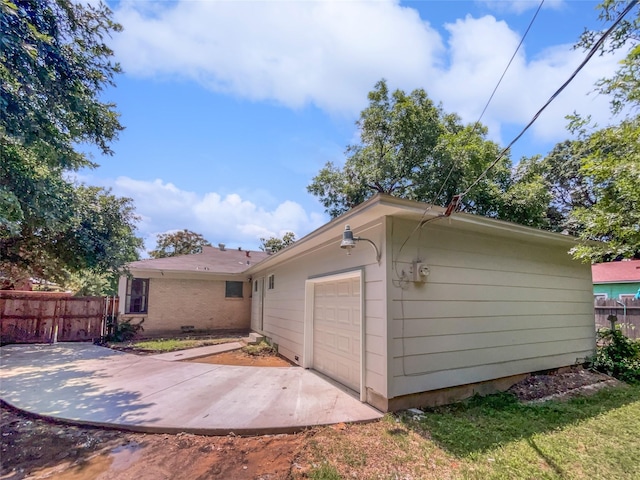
(137, 298)
(233, 290)
(272, 282)
(255, 286)
(626, 297)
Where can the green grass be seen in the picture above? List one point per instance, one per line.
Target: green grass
(173, 344)
(587, 437)
(495, 437)
(260, 349)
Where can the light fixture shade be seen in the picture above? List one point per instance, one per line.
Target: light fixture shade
(347, 238)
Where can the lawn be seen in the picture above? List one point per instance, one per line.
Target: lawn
(161, 345)
(496, 437)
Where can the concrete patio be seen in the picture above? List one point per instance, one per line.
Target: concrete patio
(88, 384)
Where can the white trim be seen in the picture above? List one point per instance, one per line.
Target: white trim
(600, 295)
(309, 289)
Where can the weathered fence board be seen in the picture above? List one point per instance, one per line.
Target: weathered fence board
(627, 312)
(45, 317)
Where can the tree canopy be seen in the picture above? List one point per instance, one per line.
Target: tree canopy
(409, 147)
(276, 244)
(611, 155)
(54, 65)
(593, 180)
(182, 242)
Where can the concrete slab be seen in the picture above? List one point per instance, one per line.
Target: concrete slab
(88, 384)
(197, 352)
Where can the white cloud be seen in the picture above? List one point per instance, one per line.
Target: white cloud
(331, 53)
(228, 219)
(480, 49)
(328, 53)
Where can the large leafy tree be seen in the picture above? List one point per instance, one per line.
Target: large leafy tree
(611, 155)
(624, 86)
(409, 147)
(275, 244)
(612, 164)
(54, 65)
(182, 242)
(560, 175)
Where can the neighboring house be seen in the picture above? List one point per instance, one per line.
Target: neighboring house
(448, 308)
(202, 292)
(616, 280)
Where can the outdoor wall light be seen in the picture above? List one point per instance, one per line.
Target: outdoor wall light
(349, 242)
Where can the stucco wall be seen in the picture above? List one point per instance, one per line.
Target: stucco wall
(199, 303)
(491, 307)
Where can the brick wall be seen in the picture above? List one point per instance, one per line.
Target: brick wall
(201, 304)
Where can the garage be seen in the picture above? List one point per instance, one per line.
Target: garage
(337, 329)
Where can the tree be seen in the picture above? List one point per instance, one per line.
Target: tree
(613, 166)
(624, 86)
(411, 148)
(559, 174)
(276, 244)
(90, 284)
(182, 242)
(54, 67)
(611, 155)
(94, 231)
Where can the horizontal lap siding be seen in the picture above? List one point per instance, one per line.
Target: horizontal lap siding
(284, 306)
(490, 308)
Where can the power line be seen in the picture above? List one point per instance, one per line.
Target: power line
(495, 89)
(422, 221)
(596, 46)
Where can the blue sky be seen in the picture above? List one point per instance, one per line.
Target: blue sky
(231, 107)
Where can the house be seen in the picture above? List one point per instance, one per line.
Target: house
(408, 307)
(204, 292)
(616, 280)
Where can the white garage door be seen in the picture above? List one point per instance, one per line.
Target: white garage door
(336, 330)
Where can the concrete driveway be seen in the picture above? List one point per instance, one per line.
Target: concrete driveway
(89, 384)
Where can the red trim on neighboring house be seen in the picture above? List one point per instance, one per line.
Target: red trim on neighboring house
(616, 272)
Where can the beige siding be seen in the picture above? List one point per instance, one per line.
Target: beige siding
(491, 307)
(174, 303)
(284, 306)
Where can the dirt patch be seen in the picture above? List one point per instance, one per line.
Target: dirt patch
(241, 358)
(34, 448)
(37, 449)
(561, 385)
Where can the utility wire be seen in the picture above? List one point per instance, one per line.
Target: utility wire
(596, 46)
(422, 221)
(477, 123)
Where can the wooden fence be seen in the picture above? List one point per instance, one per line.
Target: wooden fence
(626, 311)
(45, 317)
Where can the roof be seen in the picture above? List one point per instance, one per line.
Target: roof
(381, 205)
(616, 272)
(211, 260)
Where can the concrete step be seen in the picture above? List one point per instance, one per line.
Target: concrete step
(254, 338)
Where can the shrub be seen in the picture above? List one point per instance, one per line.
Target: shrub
(618, 356)
(123, 331)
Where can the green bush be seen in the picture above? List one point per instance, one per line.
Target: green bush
(123, 331)
(618, 356)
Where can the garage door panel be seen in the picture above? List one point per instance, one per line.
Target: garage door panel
(336, 330)
(344, 317)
